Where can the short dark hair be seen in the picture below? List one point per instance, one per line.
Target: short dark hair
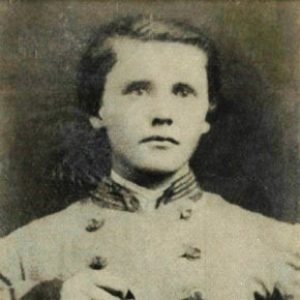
(99, 57)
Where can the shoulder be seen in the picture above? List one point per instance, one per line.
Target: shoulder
(253, 225)
(55, 226)
(260, 242)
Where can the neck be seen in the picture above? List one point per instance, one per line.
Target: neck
(149, 179)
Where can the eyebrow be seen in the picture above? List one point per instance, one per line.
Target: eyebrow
(185, 86)
(136, 85)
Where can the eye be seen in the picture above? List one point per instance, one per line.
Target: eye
(183, 90)
(138, 92)
(137, 88)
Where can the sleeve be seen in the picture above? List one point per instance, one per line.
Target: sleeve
(12, 274)
(16, 282)
(289, 267)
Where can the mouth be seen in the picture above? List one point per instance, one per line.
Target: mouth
(158, 138)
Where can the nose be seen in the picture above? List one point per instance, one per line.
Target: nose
(161, 110)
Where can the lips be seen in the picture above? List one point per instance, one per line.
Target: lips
(158, 138)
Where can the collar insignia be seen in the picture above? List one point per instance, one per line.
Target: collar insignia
(110, 194)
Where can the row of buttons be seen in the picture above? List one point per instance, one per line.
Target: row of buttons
(94, 224)
(191, 253)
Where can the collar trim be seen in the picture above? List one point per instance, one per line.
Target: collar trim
(110, 194)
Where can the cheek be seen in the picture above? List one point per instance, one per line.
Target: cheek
(119, 112)
(194, 126)
(192, 119)
(195, 109)
(124, 130)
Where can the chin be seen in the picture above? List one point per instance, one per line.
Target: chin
(160, 167)
(158, 170)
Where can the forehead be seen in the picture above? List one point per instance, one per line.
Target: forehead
(137, 58)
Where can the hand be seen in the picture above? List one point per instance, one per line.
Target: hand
(95, 285)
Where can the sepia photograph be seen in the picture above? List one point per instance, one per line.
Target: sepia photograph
(149, 150)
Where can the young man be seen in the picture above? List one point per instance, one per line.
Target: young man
(149, 231)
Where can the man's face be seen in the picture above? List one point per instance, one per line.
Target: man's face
(154, 104)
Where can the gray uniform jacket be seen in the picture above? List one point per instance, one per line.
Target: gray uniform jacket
(197, 247)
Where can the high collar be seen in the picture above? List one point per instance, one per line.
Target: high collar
(147, 197)
(116, 192)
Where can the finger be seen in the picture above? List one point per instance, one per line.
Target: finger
(112, 291)
(128, 295)
(257, 289)
(75, 295)
(99, 294)
(73, 289)
(110, 283)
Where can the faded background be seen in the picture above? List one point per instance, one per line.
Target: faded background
(49, 156)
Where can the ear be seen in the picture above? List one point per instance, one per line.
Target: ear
(205, 127)
(96, 122)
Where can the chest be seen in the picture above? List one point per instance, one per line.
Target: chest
(166, 256)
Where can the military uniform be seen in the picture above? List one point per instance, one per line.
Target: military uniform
(189, 245)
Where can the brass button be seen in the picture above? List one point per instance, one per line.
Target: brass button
(94, 225)
(192, 253)
(186, 214)
(195, 296)
(98, 263)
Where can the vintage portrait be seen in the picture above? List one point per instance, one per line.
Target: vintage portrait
(149, 150)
